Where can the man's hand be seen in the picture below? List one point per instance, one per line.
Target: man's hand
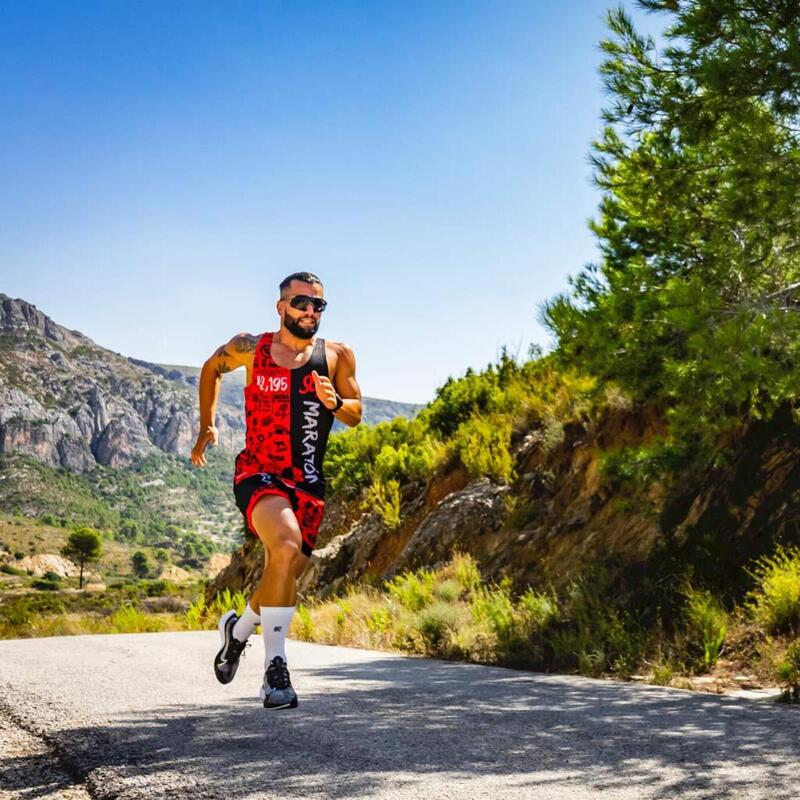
(325, 391)
(209, 436)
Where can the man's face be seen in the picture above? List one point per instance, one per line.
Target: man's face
(303, 324)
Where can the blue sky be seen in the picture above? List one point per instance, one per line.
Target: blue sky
(166, 164)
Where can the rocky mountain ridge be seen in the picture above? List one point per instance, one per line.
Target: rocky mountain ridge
(70, 403)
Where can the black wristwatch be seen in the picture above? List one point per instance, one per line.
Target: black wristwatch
(339, 403)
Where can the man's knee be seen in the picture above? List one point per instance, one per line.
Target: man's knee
(283, 555)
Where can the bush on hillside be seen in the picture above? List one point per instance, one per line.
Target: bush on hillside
(775, 599)
(483, 448)
(789, 672)
(384, 498)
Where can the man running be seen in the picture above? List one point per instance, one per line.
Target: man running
(296, 384)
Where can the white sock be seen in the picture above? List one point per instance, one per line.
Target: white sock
(246, 624)
(275, 622)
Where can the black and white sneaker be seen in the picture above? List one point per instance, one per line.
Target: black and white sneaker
(226, 662)
(276, 691)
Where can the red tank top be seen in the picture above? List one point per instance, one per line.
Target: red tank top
(287, 425)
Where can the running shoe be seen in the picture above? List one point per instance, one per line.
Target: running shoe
(226, 662)
(277, 692)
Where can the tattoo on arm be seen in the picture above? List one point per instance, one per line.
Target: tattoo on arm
(223, 368)
(245, 344)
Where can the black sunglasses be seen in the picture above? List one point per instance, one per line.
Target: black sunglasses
(302, 301)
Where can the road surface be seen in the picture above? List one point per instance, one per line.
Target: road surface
(141, 716)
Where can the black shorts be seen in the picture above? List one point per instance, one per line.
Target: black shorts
(308, 508)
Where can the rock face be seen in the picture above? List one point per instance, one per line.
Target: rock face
(174, 573)
(72, 404)
(459, 522)
(48, 562)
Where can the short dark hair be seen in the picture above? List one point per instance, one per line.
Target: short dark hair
(305, 277)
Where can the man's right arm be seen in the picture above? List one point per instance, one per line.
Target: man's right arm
(238, 352)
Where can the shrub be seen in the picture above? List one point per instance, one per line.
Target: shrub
(448, 591)
(202, 616)
(513, 625)
(406, 462)
(434, 622)
(399, 450)
(459, 400)
(140, 564)
(413, 590)
(129, 619)
(343, 613)
(707, 624)
(483, 447)
(302, 625)
(775, 600)
(46, 586)
(380, 620)
(662, 675)
(466, 572)
(594, 631)
(789, 672)
(158, 587)
(385, 498)
(196, 614)
(9, 570)
(592, 663)
(537, 610)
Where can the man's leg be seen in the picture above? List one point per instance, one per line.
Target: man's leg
(275, 522)
(251, 616)
(257, 598)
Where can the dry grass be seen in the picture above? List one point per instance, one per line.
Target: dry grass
(83, 624)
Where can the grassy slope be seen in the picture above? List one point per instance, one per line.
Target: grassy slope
(162, 490)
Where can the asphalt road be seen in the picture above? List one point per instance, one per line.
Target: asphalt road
(141, 716)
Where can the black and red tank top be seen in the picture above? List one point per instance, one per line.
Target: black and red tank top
(287, 425)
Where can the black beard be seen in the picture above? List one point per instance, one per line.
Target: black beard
(294, 327)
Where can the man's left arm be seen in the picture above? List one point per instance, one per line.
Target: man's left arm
(344, 386)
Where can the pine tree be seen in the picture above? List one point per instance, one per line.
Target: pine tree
(694, 303)
(84, 545)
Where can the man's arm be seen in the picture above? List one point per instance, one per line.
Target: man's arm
(347, 387)
(238, 352)
(344, 384)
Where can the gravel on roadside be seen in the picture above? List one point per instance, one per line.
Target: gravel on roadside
(29, 768)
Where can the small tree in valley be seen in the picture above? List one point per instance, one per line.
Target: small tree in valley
(84, 546)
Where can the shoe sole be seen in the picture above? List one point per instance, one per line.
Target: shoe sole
(221, 628)
(262, 695)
